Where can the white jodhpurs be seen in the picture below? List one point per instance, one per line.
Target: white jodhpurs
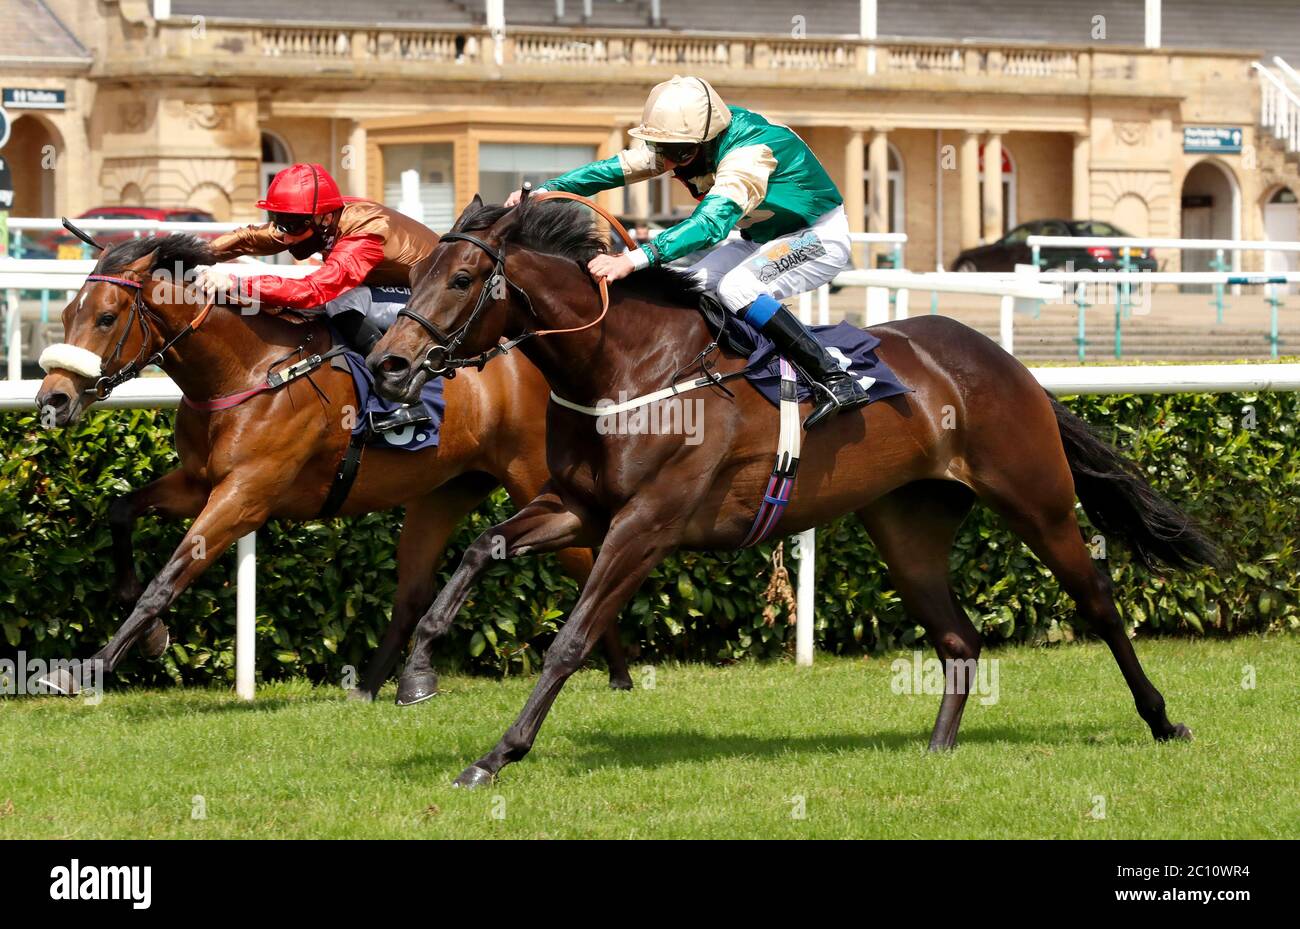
(739, 271)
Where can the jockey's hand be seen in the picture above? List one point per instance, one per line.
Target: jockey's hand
(514, 198)
(610, 267)
(214, 283)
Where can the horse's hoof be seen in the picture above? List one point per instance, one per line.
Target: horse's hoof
(416, 687)
(620, 683)
(156, 640)
(472, 777)
(1180, 733)
(61, 683)
(361, 695)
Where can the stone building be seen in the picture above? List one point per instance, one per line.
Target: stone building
(198, 103)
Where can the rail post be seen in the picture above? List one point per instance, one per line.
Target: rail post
(245, 616)
(805, 621)
(1219, 304)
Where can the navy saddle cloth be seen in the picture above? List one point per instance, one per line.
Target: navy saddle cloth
(853, 348)
(371, 404)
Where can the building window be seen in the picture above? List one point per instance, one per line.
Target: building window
(419, 180)
(504, 166)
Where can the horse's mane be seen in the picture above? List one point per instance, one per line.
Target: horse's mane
(177, 252)
(568, 230)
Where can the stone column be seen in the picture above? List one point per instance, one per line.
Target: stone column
(854, 192)
(1081, 191)
(878, 168)
(354, 161)
(615, 199)
(969, 164)
(992, 213)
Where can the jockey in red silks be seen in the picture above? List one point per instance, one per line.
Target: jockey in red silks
(362, 242)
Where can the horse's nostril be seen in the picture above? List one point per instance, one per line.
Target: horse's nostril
(55, 401)
(393, 364)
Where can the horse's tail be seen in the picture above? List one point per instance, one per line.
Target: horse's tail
(1123, 505)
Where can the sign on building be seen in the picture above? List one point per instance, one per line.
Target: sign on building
(1221, 140)
(34, 98)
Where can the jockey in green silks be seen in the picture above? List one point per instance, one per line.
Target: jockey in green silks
(747, 174)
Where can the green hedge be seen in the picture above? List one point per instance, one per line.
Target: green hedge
(324, 589)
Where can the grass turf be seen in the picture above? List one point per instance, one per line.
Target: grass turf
(753, 750)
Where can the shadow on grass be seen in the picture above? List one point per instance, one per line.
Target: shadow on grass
(648, 750)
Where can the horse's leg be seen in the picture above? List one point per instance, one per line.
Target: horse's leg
(547, 524)
(631, 550)
(1049, 528)
(175, 495)
(577, 561)
(429, 523)
(914, 527)
(234, 508)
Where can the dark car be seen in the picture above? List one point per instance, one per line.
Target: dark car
(1013, 249)
(61, 244)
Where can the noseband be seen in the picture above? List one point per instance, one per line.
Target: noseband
(140, 316)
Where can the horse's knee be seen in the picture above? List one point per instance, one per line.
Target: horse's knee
(958, 647)
(566, 654)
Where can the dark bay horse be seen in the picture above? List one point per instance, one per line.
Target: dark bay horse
(977, 425)
(275, 455)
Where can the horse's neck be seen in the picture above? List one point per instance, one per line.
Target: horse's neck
(223, 356)
(635, 349)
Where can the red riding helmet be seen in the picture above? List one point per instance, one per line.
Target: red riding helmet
(303, 189)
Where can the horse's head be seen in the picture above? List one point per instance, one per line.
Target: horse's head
(464, 296)
(112, 322)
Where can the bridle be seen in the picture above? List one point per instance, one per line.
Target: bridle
(440, 360)
(141, 315)
(447, 364)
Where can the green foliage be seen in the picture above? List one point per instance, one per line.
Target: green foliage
(324, 589)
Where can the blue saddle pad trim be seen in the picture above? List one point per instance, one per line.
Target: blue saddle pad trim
(844, 340)
(411, 438)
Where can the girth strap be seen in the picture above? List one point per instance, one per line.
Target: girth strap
(346, 475)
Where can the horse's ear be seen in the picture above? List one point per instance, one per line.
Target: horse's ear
(474, 206)
(142, 265)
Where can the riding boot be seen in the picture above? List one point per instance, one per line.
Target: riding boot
(357, 330)
(839, 390)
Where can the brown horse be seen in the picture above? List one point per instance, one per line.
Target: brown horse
(276, 454)
(976, 426)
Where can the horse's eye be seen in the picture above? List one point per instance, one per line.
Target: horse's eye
(105, 320)
(461, 281)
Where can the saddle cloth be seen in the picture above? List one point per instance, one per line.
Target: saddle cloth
(854, 348)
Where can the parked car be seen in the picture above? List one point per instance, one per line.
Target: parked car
(1013, 249)
(62, 244)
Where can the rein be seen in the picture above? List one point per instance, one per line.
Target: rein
(141, 313)
(440, 361)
